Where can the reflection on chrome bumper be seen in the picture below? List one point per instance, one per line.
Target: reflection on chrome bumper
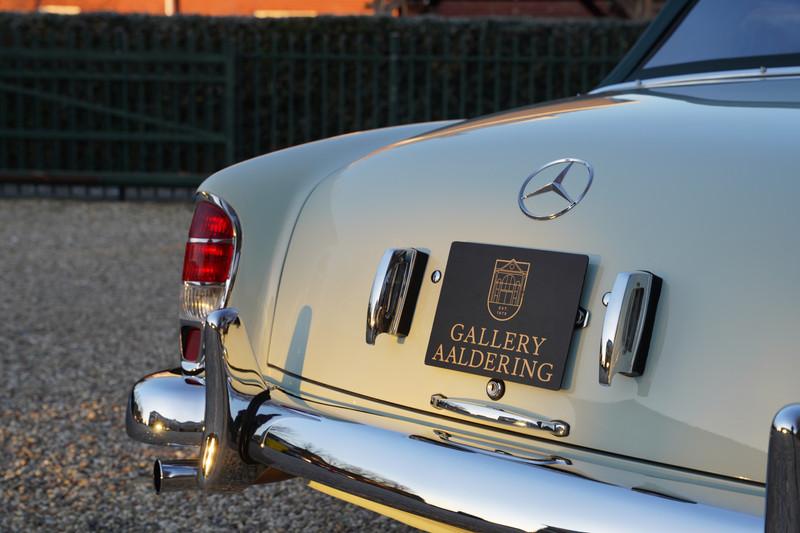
(167, 408)
(462, 487)
(249, 439)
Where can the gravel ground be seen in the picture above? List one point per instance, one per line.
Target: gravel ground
(89, 295)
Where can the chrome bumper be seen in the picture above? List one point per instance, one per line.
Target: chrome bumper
(167, 408)
(258, 438)
(466, 488)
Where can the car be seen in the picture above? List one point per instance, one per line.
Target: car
(571, 316)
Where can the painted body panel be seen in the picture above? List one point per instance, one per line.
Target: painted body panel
(695, 184)
(267, 194)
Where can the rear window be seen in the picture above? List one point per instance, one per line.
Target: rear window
(729, 34)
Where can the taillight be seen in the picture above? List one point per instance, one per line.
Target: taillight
(208, 263)
(190, 343)
(210, 222)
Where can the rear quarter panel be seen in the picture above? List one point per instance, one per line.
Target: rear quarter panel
(267, 194)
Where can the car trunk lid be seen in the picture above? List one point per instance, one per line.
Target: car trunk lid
(679, 190)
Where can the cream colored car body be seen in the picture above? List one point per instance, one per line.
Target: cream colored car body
(694, 183)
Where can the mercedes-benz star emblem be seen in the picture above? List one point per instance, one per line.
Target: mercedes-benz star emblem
(578, 171)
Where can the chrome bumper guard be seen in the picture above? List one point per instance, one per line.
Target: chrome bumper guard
(783, 472)
(247, 440)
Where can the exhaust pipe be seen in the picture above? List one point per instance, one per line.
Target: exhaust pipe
(170, 476)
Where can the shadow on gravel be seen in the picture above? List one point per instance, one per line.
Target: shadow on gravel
(89, 300)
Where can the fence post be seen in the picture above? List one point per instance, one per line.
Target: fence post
(229, 106)
(393, 89)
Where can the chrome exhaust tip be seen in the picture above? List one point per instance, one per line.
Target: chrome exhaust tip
(171, 476)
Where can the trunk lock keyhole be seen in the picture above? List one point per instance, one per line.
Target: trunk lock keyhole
(495, 389)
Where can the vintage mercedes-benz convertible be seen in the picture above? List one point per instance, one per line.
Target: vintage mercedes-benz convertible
(575, 316)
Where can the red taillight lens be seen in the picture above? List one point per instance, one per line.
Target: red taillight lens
(210, 222)
(207, 262)
(191, 343)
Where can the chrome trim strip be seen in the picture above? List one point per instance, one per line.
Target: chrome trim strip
(466, 488)
(557, 428)
(203, 284)
(727, 76)
(783, 472)
(167, 408)
(196, 240)
(540, 460)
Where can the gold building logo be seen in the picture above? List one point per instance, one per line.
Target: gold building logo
(507, 289)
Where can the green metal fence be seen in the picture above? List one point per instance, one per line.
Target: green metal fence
(132, 105)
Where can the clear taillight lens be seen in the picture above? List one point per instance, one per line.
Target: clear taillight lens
(197, 301)
(208, 261)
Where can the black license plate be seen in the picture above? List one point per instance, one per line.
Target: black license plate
(507, 313)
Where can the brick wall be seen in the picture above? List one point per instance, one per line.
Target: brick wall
(204, 7)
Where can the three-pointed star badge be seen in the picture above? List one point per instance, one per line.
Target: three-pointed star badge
(576, 170)
(555, 186)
